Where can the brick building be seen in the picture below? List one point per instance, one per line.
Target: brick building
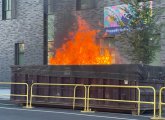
(28, 28)
(21, 34)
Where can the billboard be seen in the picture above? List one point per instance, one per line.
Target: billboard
(116, 18)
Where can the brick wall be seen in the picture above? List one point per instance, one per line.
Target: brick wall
(27, 28)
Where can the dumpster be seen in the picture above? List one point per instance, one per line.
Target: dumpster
(117, 74)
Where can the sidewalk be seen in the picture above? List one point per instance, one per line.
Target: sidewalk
(4, 91)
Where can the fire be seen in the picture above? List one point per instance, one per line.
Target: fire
(82, 49)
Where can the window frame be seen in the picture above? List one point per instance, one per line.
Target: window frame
(9, 9)
(19, 52)
(50, 7)
(92, 5)
(6, 9)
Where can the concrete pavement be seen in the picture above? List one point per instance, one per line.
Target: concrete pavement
(13, 112)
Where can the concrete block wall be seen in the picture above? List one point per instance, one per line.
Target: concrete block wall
(27, 28)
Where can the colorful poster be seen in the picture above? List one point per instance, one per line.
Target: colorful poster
(116, 18)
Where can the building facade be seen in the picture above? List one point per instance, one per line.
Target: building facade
(30, 30)
(21, 35)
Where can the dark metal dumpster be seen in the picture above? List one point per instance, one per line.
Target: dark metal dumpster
(123, 74)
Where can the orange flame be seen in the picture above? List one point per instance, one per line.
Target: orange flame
(82, 49)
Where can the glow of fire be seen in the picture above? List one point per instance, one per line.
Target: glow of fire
(82, 49)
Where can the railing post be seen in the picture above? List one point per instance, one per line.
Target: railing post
(154, 102)
(27, 95)
(139, 99)
(160, 106)
(160, 103)
(74, 97)
(31, 95)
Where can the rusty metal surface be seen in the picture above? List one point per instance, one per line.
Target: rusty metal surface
(90, 74)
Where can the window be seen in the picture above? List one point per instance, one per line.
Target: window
(50, 7)
(51, 32)
(85, 4)
(8, 9)
(19, 53)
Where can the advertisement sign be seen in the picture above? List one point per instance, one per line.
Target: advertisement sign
(116, 18)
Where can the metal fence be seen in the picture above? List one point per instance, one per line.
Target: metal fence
(59, 97)
(86, 95)
(139, 102)
(17, 95)
(161, 104)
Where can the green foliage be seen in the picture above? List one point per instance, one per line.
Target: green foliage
(143, 35)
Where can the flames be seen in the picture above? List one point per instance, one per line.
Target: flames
(82, 49)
